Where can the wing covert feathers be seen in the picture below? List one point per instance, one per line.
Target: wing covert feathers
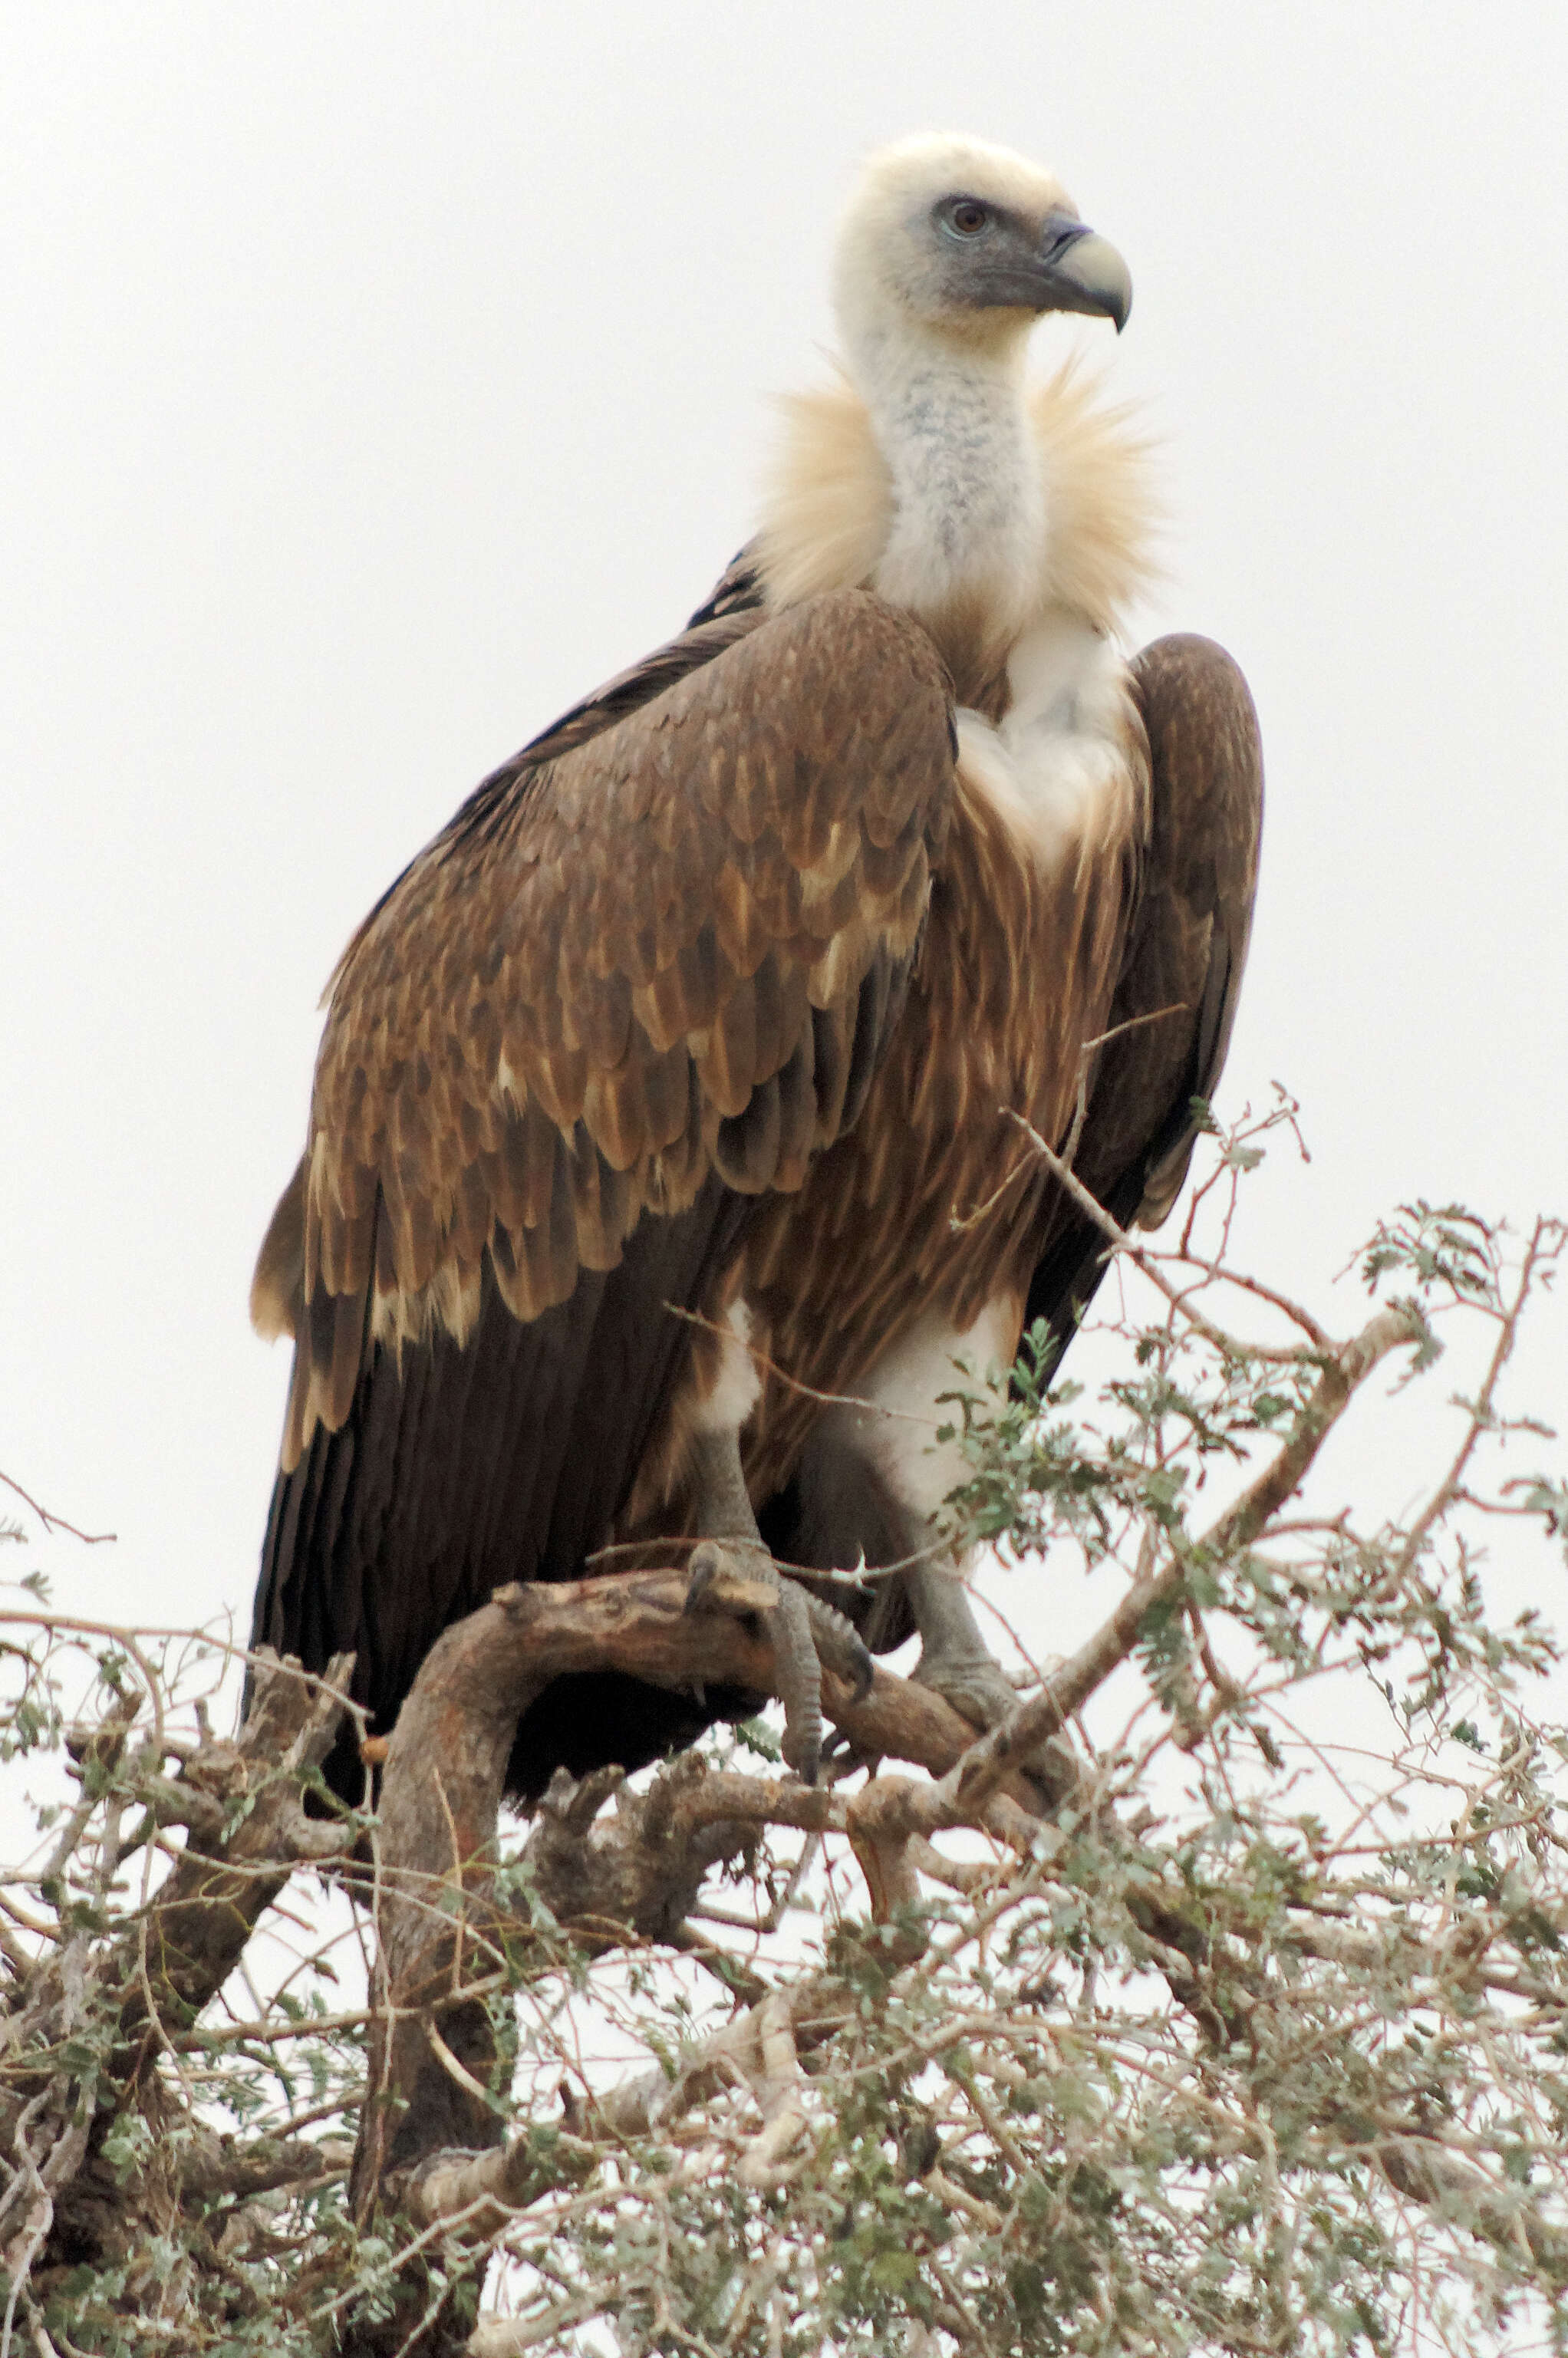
(277, 1289)
(664, 943)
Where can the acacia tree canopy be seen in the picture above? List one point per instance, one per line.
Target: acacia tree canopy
(1217, 2002)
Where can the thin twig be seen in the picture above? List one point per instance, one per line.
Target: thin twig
(57, 1522)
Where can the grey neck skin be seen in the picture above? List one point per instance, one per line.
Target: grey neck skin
(951, 421)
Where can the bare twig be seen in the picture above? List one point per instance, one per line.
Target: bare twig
(57, 1522)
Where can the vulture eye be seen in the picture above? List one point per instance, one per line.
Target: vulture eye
(965, 216)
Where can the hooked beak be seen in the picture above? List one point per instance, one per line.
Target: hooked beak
(1067, 268)
(1078, 271)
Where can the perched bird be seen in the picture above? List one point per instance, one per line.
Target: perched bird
(663, 1156)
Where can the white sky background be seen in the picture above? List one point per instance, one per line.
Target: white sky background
(377, 379)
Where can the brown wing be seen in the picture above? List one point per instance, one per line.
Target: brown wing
(643, 976)
(1187, 949)
(659, 953)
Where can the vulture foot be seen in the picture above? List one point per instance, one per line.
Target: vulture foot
(956, 1663)
(980, 1691)
(808, 1636)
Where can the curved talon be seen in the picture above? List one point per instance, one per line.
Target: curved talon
(841, 1646)
(843, 1755)
(707, 1564)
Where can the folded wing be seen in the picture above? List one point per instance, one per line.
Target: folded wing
(643, 977)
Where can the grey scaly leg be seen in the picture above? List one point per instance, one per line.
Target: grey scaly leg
(806, 1633)
(956, 1661)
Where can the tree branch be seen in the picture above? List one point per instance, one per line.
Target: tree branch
(435, 1914)
(1044, 1714)
(118, 1997)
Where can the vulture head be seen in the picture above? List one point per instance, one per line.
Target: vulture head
(966, 242)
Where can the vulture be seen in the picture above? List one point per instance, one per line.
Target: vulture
(664, 1150)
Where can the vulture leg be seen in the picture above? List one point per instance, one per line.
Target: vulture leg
(871, 1490)
(850, 1506)
(954, 1660)
(956, 1663)
(807, 1633)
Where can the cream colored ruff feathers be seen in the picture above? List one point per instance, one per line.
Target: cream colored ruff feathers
(829, 501)
(1054, 746)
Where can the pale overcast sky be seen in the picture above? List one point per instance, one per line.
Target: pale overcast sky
(378, 378)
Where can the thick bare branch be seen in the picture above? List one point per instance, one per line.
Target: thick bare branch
(480, 2189)
(779, 2089)
(438, 1824)
(206, 1910)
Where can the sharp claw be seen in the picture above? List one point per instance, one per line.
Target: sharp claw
(707, 1562)
(839, 1644)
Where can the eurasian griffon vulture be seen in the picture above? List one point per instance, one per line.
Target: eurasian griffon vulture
(717, 997)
